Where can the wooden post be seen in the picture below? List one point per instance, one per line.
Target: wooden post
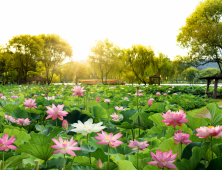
(208, 84)
(215, 89)
(159, 81)
(150, 81)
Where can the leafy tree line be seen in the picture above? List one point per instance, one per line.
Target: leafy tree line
(28, 55)
(134, 64)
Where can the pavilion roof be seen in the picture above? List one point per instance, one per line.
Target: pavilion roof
(216, 76)
(154, 76)
(37, 78)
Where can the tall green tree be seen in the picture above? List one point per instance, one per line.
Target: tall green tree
(202, 34)
(103, 57)
(54, 52)
(26, 49)
(139, 59)
(163, 66)
(191, 74)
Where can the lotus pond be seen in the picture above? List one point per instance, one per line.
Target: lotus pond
(108, 127)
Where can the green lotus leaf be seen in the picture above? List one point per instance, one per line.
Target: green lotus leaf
(124, 164)
(194, 160)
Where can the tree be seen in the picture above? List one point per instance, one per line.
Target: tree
(191, 73)
(209, 72)
(139, 59)
(202, 34)
(103, 57)
(54, 52)
(25, 49)
(163, 66)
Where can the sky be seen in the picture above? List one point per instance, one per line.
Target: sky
(153, 23)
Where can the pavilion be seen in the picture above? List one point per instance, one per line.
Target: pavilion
(154, 76)
(213, 94)
(38, 80)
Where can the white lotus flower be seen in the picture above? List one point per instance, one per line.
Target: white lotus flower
(87, 127)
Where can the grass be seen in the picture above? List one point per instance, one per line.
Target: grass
(203, 111)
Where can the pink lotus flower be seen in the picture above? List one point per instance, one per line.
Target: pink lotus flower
(119, 108)
(151, 99)
(126, 98)
(149, 103)
(35, 95)
(65, 124)
(165, 94)
(78, 91)
(129, 93)
(115, 116)
(112, 87)
(98, 99)
(1, 94)
(109, 139)
(22, 121)
(14, 97)
(174, 93)
(206, 132)
(158, 93)
(30, 103)
(164, 159)
(3, 97)
(179, 137)
(65, 147)
(6, 144)
(138, 145)
(107, 100)
(174, 118)
(10, 118)
(140, 94)
(56, 112)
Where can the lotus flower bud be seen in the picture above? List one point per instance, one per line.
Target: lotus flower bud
(179, 131)
(99, 164)
(37, 163)
(98, 99)
(80, 143)
(65, 125)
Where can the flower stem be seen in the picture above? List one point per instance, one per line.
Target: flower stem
(86, 99)
(73, 160)
(46, 164)
(137, 101)
(139, 124)
(56, 122)
(3, 159)
(108, 157)
(138, 159)
(132, 133)
(78, 99)
(64, 166)
(212, 147)
(88, 145)
(181, 151)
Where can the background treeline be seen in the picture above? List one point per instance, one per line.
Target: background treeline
(26, 56)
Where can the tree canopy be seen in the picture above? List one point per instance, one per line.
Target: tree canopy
(202, 34)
